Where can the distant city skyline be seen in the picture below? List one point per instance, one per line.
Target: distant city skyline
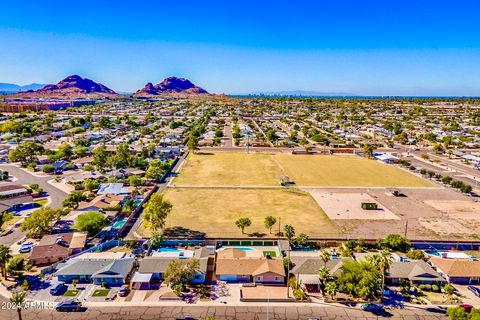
(377, 48)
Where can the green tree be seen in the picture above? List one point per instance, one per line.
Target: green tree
(359, 279)
(243, 223)
(382, 261)
(324, 275)
(156, 169)
(135, 181)
(91, 222)
(331, 289)
(5, 255)
(101, 158)
(74, 199)
(26, 153)
(4, 217)
(415, 254)
(193, 143)
(80, 151)
(325, 256)
(180, 272)
(269, 222)
(157, 239)
(289, 232)
(394, 242)
(368, 150)
(39, 222)
(156, 212)
(457, 313)
(122, 157)
(18, 300)
(91, 184)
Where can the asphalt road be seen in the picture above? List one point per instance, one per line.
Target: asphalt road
(24, 177)
(291, 312)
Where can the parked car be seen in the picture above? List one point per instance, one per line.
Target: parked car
(467, 307)
(123, 292)
(57, 288)
(372, 307)
(26, 247)
(68, 306)
(474, 290)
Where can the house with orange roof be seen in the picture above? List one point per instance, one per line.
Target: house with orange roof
(459, 271)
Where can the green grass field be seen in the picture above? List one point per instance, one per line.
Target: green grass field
(214, 211)
(240, 169)
(71, 293)
(100, 293)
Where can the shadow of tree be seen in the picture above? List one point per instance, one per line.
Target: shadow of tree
(183, 232)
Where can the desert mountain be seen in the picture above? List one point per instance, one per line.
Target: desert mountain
(71, 87)
(168, 86)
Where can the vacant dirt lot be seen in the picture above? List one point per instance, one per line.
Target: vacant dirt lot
(341, 206)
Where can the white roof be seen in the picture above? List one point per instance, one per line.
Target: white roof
(101, 256)
(141, 277)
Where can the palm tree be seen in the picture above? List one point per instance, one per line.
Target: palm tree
(18, 300)
(368, 150)
(382, 261)
(4, 257)
(325, 256)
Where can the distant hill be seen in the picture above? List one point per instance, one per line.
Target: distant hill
(301, 93)
(71, 87)
(13, 88)
(170, 85)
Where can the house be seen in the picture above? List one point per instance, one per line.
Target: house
(233, 265)
(460, 271)
(101, 202)
(56, 247)
(16, 204)
(306, 270)
(110, 268)
(12, 191)
(386, 157)
(151, 270)
(112, 189)
(416, 271)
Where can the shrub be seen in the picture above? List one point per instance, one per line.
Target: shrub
(421, 287)
(415, 254)
(435, 288)
(428, 287)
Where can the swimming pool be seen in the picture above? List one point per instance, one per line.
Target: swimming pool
(433, 253)
(119, 223)
(165, 249)
(240, 248)
(137, 203)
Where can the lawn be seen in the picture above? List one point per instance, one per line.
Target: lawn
(214, 211)
(262, 169)
(100, 293)
(229, 169)
(269, 253)
(70, 293)
(307, 170)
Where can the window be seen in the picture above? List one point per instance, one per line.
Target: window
(259, 278)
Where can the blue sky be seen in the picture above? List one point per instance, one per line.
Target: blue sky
(364, 47)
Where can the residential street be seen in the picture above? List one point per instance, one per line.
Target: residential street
(291, 312)
(24, 177)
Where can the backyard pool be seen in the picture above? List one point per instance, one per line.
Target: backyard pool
(165, 249)
(239, 248)
(119, 223)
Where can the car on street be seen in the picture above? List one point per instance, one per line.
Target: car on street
(467, 307)
(57, 288)
(26, 247)
(69, 306)
(123, 292)
(474, 290)
(372, 307)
